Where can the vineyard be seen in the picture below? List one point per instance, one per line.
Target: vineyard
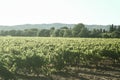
(48, 58)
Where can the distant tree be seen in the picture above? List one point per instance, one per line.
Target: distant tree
(4, 33)
(35, 31)
(111, 28)
(95, 33)
(84, 32)
(19, 33)
(101, 30)
(118, 29)
(115, 34)
(77, 29)
(105, 35)
(29, 32)
(52, 31)
(61, 32)
(44, 33)
(52, 28)
(56, 33)
(67, 33)
(65, 27)
(12, 32)
(104, 31)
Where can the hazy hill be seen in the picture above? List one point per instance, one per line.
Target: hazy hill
(48, 26)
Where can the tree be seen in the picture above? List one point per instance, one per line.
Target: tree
(65, 27)
(95, 33)
(4, 33)
(105, 35)
(44, 33)
(115, 34)
(84, 32)
(77, 29)
(111, 28)
(30, 32)
(67, 33)
(19, 33)
(52, 30)
(104, 31)
(61, 32)
(12, 32)
(56, 33)
(118, 29)
(35, 31)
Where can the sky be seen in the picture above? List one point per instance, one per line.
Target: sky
(16, 12)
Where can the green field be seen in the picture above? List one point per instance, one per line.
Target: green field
(37, 58)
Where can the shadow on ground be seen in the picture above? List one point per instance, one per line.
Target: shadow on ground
(81, 73)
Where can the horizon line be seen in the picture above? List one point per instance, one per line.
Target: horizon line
(52, 23)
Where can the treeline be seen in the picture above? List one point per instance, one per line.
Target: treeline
(78, 30)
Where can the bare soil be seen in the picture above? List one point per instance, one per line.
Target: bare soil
(83, 73)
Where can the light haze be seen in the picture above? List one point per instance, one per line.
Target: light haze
(15, 12)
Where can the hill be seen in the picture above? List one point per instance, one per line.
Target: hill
(48, 26)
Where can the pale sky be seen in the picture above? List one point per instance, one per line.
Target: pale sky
(15, 12)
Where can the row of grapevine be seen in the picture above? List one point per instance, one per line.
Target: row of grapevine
(42, 56)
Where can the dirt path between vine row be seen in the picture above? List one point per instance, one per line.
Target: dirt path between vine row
(82, 73)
